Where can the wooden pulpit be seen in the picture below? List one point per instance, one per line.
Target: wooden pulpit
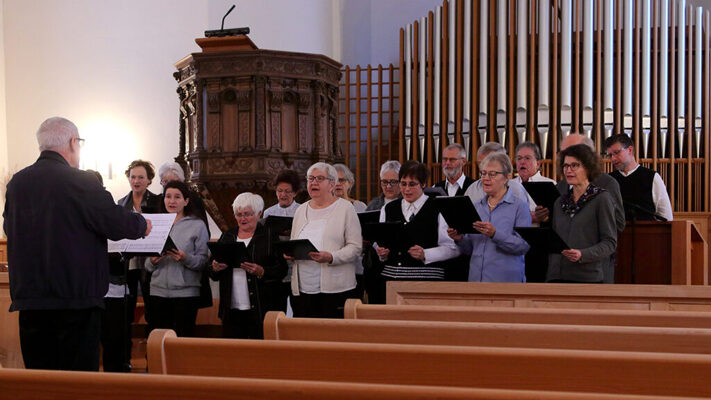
(246, 114)
(667, 253)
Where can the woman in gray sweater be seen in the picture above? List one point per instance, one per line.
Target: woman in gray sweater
(175, 283)
(584, 218)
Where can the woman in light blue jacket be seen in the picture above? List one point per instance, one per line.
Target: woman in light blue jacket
(175, 284)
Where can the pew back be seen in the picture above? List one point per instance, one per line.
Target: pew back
(551, 295)
(355, 309)
(540, 336)
(452, 366)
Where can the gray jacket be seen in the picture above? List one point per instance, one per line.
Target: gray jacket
(592, 231)
(181, 278)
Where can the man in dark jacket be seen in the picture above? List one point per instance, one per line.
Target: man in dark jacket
(57, 220)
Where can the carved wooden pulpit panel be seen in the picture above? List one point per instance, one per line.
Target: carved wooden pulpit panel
(247, 114)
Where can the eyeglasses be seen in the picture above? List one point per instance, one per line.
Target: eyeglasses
(279, 191)
(389, 183)
(411, 184)
(244, 215)
(80, 141)
(318, 179)
(572, 166)
(342, 180)
(615, 153)
(490, 174)
(451, 160)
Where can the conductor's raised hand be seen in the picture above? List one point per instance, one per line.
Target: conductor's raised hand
(149, 227)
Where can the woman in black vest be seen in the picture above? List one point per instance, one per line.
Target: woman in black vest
(425, 233)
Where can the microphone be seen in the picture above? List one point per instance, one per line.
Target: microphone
(227, 32)
(222, 28)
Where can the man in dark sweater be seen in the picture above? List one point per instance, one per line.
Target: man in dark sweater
(454, 157)
(57, 220)
(642, 188)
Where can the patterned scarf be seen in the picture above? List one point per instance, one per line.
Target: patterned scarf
(571, 207)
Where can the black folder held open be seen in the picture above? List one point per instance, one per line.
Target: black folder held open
(543, 193)
(459, 212)
(230, 253)
(299, 248)
(543, 238)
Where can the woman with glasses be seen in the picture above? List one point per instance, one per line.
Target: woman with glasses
(345, 184)
(175, 280)
(584, 218)
(424, 229)
(247, 290)
(497, 251)
(389, 183)
(321, 285)
(287, 185)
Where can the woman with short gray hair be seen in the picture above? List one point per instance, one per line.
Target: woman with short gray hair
(345, 183)
(321, 284)
(498, 251)
(250, 289)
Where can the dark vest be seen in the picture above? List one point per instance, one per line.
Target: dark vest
(460, 192)
(422, 231)
(637, 189)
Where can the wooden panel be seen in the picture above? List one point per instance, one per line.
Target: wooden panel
(10, 353)
(3, 251)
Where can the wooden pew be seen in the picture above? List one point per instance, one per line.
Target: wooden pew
(65, 385)
(552, 295)
(665, 374)
(355, 309)
(540, 336)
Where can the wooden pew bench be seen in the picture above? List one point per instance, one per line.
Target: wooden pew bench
(664, 374)
(355, 309)
(19, 384)
(540, 336)
(551, 295)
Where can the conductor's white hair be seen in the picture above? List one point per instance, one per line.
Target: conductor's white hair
(55, 134)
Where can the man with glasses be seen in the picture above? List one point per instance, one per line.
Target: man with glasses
(455, 183)
(639, 186)
(57, 220)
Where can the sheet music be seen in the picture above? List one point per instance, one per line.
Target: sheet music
(153, 243)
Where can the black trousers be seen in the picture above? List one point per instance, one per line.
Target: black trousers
(116, 335)
(132, 279)
(320, 305)
(61, 339)
(242, 324)
(177, 313)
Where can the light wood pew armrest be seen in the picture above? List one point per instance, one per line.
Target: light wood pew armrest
(351, 308)
(155, 350)
(271, 324)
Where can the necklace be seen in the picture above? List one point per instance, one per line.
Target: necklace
(490, 205)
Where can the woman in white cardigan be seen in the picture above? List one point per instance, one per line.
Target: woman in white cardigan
(320, 286)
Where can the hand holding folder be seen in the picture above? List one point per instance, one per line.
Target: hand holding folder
(299, 248)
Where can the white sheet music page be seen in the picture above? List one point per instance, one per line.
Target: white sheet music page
(153, 243)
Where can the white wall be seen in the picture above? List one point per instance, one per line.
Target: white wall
(4, 166)
(108, 65)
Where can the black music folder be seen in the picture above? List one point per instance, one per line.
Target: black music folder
(230, 253)
(299, 248)
(368, 223)
(390, 235)
(543, 238)
(169, 245)
(459, 212)
(278, 224)
(543, 193)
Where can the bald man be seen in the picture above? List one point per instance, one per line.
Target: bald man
(606, 182)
